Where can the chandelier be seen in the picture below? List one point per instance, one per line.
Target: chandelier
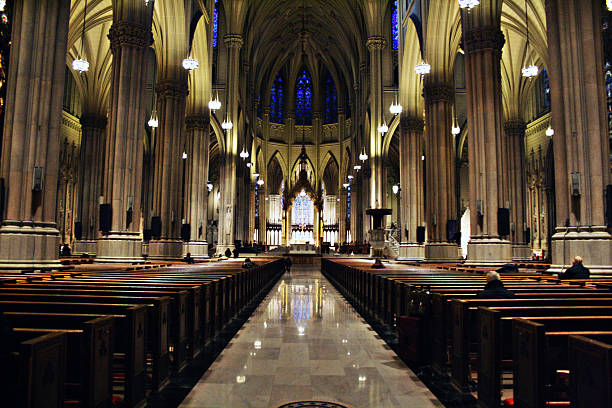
(455, 130)
(395, 107)
(550, 131)
(468, 4)
(214, 104)
(422, 69)
(209, 187)
(153, 122)
(244, 154)
(383, 128)
(609, 4)
(190, 64)
(363, 155)
(530, 71)
(357, 167)
(227, 124)
(80, 64)
(260, 182)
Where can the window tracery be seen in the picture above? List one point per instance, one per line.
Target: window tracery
(303, 99)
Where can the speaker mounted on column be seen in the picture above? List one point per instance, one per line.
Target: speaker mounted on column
(106, 217)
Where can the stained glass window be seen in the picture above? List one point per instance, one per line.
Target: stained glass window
(215, 25)
(331, 101)
(303, 213)
(259, 106)
(348, 204)
(303, 99)
(395, 26)
(276, 100)
(546, 86)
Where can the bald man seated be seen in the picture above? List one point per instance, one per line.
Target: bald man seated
(576, 271)
(494, 289)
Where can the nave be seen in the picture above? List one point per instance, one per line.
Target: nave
(306, 342)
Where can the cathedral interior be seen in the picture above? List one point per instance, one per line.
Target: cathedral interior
(141, 131)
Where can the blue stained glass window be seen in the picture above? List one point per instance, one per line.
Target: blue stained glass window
(303, 99)
(331, 101)
(215, 25)
(259, 106)
(546, 86)
(276, 100)
(395, 26)
(348, 204)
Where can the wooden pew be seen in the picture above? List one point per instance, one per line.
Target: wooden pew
(89, 350)
(33, 370)
(540, 348)
(129, 340)
(590, 365)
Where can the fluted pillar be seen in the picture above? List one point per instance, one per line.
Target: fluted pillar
(130, 37)
(93, 128)
(31, 139)
(227, 212)
(514, 146)
(581, 139)
(376, 45)
(483, 41)
(169, 168)
(411, 183)
(196, 179)
(343, 223)
(440, 197)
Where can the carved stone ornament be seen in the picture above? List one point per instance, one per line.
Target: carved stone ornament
(233, 40)
(411, 124)
(376, 43)
(124, 33)
(201, 122)
(438, 93)
(484, 38)
(169, 88)
(515, 128)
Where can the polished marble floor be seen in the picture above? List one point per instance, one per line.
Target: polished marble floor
(305, 342)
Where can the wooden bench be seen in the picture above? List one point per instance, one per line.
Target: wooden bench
(590, 365)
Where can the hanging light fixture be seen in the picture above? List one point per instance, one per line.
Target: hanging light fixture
(260, 182)
(209, 187)
(550, 131)
(395, 107)
(345, 185)
(395, 189)
(363, 156)
(455, 130)
(244, 154)
(153, 122)
(468, 4)
(350, 177)
(422, 69)
(383, 128)
(609, 4)
(214, 104)
(530, 71)
(2, 5)
(227, 124)
(249, 164)
(147, 2)
(256, 175)
(80, 64)
(357, 167)
(190, 64)
(184, 155)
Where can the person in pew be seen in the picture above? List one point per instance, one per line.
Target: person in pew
(508, 268)
(576, 271)
(494, 289)
(188, 259)
(228, 253)
(248, 264)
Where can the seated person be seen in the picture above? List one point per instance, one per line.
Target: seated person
(247, 264)
(228, 253)
(508, 268)
(188, 259)
(494, 289)
(576, 271)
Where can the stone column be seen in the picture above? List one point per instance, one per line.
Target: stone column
(411, 183)
(93, 128)
(169, 168)
(483, 41)
(229, 180)
(440, 197)
(343, 223)
(515, 151)
(580, 143)
(130, 37)
(31, 139)
(376, 45)
(196, 192)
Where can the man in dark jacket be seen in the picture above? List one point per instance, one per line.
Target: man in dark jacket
(494, 289)
(577, 270)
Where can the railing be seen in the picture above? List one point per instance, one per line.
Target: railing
(392, 247)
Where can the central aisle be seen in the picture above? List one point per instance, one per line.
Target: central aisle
(305, 342)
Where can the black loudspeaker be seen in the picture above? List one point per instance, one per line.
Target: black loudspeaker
(420, 235)
(451, 230)
(2, 197)
(186, 232)
(608, 204)
(503, 222)
(528, 235)
(78, 230)
(106, 217)
(156, 227)
(146, 235)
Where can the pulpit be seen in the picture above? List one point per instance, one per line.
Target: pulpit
(377, 233)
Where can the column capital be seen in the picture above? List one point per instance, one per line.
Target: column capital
(233, 40)
(515, 127)
(171, 88)
(484, 38)
(438, 92)
(376, 42)
(290, 114)
(93, 121)
(411, 124)
(197, 122)
(130, 34)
